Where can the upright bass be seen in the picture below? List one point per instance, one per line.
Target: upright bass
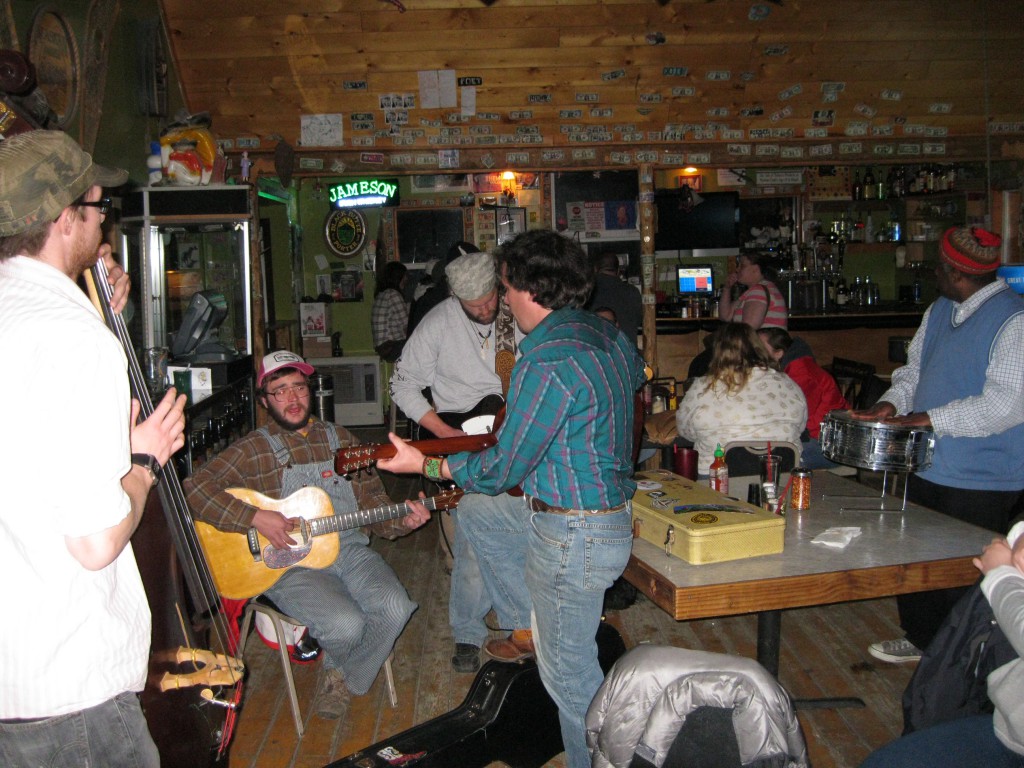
(191, 692)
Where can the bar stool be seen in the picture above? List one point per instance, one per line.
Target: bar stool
(278, 620)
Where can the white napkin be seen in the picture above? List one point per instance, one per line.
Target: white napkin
(837, 537)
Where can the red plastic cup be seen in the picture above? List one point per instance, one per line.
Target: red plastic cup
(684, 461)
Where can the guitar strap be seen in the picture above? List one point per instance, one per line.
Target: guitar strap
(504, 346)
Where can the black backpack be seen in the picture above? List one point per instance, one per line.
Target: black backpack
(950, 680)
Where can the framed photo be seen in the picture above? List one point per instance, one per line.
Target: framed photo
(323, 284)
(185, 253)
(347, 285)
(508, 223)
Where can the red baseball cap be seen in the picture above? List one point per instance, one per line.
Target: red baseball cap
(282, 358)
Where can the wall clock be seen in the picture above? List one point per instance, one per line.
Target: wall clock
(54, 53)
(345, 231)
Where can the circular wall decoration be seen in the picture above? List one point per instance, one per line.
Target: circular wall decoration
(54, 53)
(345, 231)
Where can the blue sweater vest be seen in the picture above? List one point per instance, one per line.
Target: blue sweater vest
(953, 364)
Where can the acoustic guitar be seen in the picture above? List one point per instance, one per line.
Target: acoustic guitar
(246, 565)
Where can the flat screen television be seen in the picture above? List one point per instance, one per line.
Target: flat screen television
(695, 280)
(710, 224)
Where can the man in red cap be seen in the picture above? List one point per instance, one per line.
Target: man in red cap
(964, 378)
(355, 607)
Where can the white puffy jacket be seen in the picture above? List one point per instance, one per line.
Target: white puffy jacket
(650, 691)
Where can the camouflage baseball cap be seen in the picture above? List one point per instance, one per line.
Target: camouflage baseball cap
(41, 174)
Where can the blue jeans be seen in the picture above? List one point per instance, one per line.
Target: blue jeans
(968, 742)
(568, 561)
(812, 457)
(494, 529)
(468, 601)
(113, 734)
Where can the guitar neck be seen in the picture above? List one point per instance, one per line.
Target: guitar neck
(360, 517)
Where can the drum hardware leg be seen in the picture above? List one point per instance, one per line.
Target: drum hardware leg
(881, 507)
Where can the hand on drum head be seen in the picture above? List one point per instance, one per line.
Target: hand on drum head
(880, 411)
(912, 420)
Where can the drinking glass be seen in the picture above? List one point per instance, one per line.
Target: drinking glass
(770, 478)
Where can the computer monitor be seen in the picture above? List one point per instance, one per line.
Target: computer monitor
(196, 339)
(695, 280)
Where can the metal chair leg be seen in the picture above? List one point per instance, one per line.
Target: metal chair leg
(276, 619)
(389, 677)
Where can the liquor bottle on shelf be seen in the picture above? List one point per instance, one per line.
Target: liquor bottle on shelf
(857, 292)
(869, 184)
(880, 187)
(857, 191)
(841, 295)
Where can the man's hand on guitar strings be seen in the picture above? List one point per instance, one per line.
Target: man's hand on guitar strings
(407, 460)
(275, 527)
(418, 516)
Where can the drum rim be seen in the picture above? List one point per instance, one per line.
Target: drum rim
(845, 417)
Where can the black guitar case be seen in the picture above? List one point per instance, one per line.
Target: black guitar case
(507, 716)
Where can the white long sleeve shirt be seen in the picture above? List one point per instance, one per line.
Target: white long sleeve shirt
(1000, 405)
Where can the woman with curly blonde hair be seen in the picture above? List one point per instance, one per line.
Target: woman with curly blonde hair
(743, 397)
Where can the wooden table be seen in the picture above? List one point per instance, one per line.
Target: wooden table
(897, 552)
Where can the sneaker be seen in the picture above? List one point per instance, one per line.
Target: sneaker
(466, 658)
(515, 647)
(895, 651)
(332, 696)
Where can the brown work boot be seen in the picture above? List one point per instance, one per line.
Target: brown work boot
(515, 647)
(332, 696)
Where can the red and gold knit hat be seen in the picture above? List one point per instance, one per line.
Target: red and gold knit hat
(972, 250)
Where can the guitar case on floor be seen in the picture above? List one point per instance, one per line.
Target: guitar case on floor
(507, 716)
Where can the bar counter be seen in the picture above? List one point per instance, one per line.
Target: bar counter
(889, 314)
(854, 333)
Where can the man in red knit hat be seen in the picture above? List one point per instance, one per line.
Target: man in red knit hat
(964, 378)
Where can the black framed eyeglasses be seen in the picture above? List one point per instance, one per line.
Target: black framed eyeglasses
(103, 204)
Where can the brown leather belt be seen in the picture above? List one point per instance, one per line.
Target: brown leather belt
(537, 505)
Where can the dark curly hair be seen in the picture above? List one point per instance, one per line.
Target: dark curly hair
(551, 267)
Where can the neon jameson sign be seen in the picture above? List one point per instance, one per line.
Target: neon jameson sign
(364, 192)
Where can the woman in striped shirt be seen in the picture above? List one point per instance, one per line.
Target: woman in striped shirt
(761, 305)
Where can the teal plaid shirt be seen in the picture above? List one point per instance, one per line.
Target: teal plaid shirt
(567, 437)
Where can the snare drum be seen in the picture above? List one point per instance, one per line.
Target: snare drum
(874, 444)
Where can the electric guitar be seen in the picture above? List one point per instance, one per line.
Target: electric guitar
(247, 564)
(491, 405)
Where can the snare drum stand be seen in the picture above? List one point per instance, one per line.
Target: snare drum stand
(881, 506)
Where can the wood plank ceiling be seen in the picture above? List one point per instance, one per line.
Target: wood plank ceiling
(565, 81)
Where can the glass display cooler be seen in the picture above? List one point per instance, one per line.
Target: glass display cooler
(187, 251)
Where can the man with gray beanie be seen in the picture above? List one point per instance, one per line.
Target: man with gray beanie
(454, 352)
(75, 472)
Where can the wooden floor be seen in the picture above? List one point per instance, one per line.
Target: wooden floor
(824, 653)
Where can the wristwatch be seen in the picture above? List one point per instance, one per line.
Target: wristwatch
(150, 462)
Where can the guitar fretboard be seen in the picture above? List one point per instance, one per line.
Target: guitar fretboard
(360, 517)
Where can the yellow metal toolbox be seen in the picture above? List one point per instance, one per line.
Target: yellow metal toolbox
(689, 520)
